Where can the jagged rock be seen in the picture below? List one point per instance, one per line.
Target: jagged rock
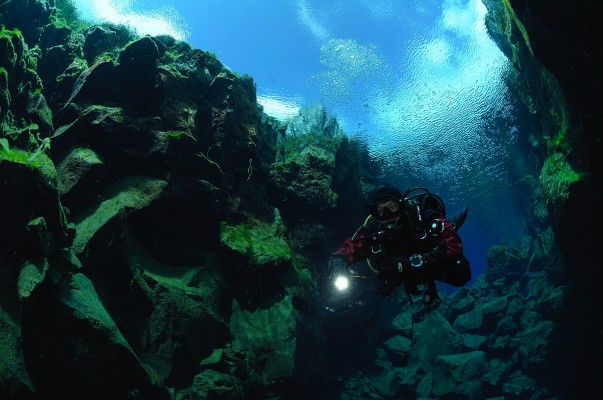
(403, 322)
(501, 263)
(267, 337)
(498, 370)
(15, 378)
(141, 55)
(460, 374)
(306, 180)
(91, 86)
(31, 275)
(187, 316)
(307, 177)
(214, 385)
(36, 107)
(462, 301)
(519, 385)
(67, 333)
(528, 319)
(31, 180)
(552, 304)
(168, 223)
(397, 382)
(398, 345)
(104, 39)
(433, 337)
(423, 390)
(515, 306)
(469, 322)
(123, 198)
(225, 360)
(263, 243)
(29, 16)
(505, 346)
(382, 360)
(79, 164)
(499, 304)
(388, 384)
(506, 326)
(21, 89)
(473, 341)
(534, 342)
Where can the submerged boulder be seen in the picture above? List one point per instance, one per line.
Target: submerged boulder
(261, 242)
(125, 197)
(67, 333)
(267, 337)
(460, 374)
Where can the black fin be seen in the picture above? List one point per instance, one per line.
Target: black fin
(459, 218)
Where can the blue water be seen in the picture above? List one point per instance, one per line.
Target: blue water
(420, 80)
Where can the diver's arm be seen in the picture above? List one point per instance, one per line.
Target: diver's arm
(354, 249)
(448, 244)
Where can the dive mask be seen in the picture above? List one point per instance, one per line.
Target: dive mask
(386, 210)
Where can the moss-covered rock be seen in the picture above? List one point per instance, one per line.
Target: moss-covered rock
(557, 177)
(267, 337)
(105, 39)
(502, 263)
(125, 197)
(74, 168)
(214, 385)
(262, 243)
(31, 180)
(14, 375)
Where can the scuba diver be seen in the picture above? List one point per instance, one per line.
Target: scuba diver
(412, 242)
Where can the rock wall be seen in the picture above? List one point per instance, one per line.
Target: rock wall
(563, 37)
(146, 242)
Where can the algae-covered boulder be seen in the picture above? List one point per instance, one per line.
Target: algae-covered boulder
(20, 89)
(186, 309)
(502, 263)
(262, 243)
(267, 337)
(214, 385)
(31, 180)
(125, 197)
(79, 165)
(557, 177)
(105, 39)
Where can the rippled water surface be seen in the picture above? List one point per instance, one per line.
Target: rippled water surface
(420, 80)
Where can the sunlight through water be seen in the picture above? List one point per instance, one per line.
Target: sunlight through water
(420, 81)
(161, 20)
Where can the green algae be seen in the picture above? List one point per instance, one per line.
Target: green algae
(557, 177)
(263, 243)
(38, 161)
(66, 15)
(511, 16)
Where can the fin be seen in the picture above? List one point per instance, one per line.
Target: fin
(459, 218)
